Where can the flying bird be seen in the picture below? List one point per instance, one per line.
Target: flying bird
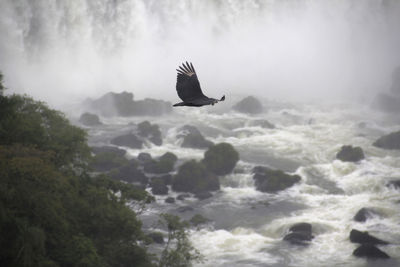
(188, 88)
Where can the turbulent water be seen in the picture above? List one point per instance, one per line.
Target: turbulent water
(248, 226)
(63, 51)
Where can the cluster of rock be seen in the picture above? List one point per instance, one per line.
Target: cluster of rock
(123, 104)
(196, 177)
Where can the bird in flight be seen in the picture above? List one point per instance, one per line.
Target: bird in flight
(188, 88)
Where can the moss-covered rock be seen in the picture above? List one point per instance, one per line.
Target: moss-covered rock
(221, 158)
(272, 181)
(158, 186)
(150, 131)
(194, 177)
(164, 164)
(128, 140)
(250, 105)
(193, 138)
(390, 141)
(89, 119)
(350, 154)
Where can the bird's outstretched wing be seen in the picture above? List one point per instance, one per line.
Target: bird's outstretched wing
(187, 84)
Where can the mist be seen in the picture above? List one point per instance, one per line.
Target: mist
(65, 51)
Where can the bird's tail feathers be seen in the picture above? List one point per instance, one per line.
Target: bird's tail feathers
(179, 104)
(222, 98)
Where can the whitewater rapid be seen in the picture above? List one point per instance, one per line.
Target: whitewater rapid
(247, 226)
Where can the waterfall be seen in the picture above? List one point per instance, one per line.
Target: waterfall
(58, 49)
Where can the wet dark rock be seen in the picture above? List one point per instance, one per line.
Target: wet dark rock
(167, 178)
(130, 173)
(182, 196)
(365, 238)
(109, 149)
(301, 227)
(122, 104)
(193, 177)
(363, 214)
(350, 154)
(299, 234)
(272, 181)
(262, 123)
(156, 237)
(128, 140)
(144, 157)
(390, 141)
(198, 219)
(203, 195)
(150, 131)
(185, 209)
(387, 103)
(170, 200)
(158, 187)
(164, 164)
(250, 105)
(89, 119)
(395, 184)
(221, 158)
(106, 161)
(193, 138)
(370, 252)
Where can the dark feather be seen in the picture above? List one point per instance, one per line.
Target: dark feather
(187, 84)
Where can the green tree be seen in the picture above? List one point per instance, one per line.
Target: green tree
(178, 252)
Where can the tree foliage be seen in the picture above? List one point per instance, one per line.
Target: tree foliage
(178, 251)
(51, 214)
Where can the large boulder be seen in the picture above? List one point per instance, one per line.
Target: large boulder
(193, 138)
(193, 177)
(390, 141)
(122, 104)
(221, 159)
(150, 131)
(128, 140)
(89, 119)
(250, 105)
(164, 164)
(158, 186)
(273, 181)
(350, 154)
(299, 234)
(365, 238)
(370, 252)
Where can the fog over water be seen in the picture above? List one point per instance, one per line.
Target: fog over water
(68, 50)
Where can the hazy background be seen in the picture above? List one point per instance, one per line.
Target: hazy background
(62, 51)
